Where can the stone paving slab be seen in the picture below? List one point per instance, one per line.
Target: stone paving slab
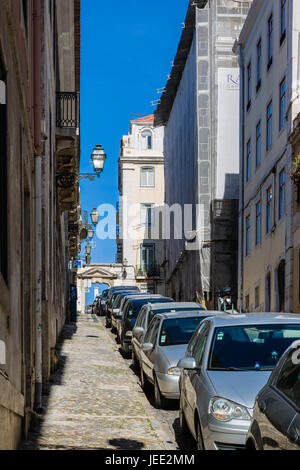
(94, 400)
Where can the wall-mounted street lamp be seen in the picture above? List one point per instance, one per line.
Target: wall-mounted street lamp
(90, 233)
(88, 249)
(98, 158)
(95, 217)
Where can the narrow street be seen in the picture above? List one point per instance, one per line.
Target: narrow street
(94, 399)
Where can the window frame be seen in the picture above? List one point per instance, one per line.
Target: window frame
(249, 85)
(258, 226)
(142, 170)
(269, 126)
(269, 209)
(248, 235)
(258, 140)
(281, 193)
(258, 64)
(270, 41)
(282, 104)
(283, 15)
(249, 161)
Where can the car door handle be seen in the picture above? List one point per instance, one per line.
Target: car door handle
(262, 406)
(293, 435)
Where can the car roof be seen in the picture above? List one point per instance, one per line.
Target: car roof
(123, 287)
(185, 314)
(255, 318)
(146, 297)
(167, 305)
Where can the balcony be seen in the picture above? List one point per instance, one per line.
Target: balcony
(148, 271)
(67, 110)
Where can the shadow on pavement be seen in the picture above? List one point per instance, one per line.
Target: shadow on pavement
(56, 378)
(126, 444)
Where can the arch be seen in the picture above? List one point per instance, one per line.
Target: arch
(146, 139)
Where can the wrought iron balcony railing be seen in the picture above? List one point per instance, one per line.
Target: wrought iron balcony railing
(150, 270)
(67, 109)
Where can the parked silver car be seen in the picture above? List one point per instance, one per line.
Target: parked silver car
(165, 342)
(145, 316)
(227, 362)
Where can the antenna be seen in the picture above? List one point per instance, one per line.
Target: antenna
(155, 102)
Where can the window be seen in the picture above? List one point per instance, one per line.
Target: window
(147, 215)
(147, 253)
(3, 175)
(178, 330)
(270, 42)
(269, 125)
(258, 223)
(248, 168)
(258, 145)
(146, 140)
(269, 209)
(200, 345)
(249, 87)
(248, 234)
(147, 177)
(251, 346)
(282, 21)
(258, 65)
(281, 194)
(288, 381)
(282, 104)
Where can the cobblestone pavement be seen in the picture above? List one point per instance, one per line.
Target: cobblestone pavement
(94, 399)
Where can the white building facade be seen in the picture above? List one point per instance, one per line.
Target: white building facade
(268, 49)
(200, 111)
(141, 188)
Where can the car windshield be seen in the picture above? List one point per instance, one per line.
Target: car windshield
(250, 347)
(136, 305)
(152, 313)
(178, 330)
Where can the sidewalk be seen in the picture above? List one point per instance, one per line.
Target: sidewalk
(95, 400)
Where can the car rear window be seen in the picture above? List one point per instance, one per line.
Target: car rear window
(251, 347)
(152, 313)
(137, 304)
(178, 330)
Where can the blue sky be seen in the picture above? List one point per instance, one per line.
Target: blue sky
(126, 52)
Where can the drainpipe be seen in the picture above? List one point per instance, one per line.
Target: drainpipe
(38, 202)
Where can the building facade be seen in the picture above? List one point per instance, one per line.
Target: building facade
(200, 109)
(268, 53)
(141, 188)
(39, 196)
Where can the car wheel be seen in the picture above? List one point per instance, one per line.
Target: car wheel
(184, 429)
(200, 444)
(160, 400)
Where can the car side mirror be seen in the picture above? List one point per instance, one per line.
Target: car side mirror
(147, 347)
(138, 330)
(187, 363)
